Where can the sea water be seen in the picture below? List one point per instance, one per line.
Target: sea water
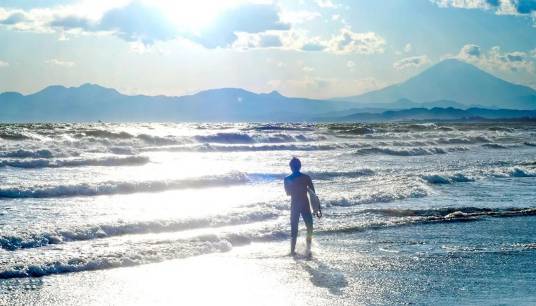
(413, 212)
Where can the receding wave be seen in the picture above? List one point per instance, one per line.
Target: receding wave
(12, 243)
(453, 212)
(114, 187)
(82, 162)
(136, 254)
(406, 217)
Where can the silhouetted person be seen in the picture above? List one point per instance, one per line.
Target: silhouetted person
(296, 186)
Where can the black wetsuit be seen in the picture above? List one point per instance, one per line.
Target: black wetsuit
(296, 186)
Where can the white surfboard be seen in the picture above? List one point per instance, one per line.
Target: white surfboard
(314, 200)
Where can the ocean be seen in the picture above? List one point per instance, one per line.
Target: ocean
(424, 213)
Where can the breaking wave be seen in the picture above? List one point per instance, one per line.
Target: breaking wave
(315, 175)
(443, 179)
(12, 243)
(82, 162)
(114, 187)
(105, 134)
(282, 127)
(513, 172)
(437, 179)
(494, 146)
(13, 136)
(27, 154)
(404, 152)
(463, 140)
(242, 138)
(380, 197)
(250, 148)
(138, 253)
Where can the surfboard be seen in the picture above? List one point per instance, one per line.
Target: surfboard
(314, 200)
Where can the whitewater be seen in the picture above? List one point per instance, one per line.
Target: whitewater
(433, 212)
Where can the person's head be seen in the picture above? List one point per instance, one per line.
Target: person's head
(295, 165)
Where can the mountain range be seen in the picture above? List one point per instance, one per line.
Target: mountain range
(449, 84)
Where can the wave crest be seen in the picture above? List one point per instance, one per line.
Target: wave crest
(82, 162)
(36, 240)
(402, 152)
(113, 187)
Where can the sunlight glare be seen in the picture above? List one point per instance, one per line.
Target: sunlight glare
(193, 16)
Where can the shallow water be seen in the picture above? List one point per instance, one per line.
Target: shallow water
(448, 208)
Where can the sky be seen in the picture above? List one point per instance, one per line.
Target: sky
(301, 48)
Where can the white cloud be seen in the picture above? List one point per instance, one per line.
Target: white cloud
(61, 63)
(247, 41)
(501, 7)
(359, 43)
(4, 64)
(411, 62)
(345, 42)
(408, 47)
(495, 59)
(308, 69)
(470, 51)
(468, 4)
(254, 25)
(147, 22)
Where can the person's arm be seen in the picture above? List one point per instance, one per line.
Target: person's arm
(310, 184)
(285, 181)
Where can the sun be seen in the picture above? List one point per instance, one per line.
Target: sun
(193, 15)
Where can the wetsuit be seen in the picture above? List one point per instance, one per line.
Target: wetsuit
(296, 186)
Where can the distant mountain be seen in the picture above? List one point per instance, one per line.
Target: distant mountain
(455, 81)
(92, 102)
(436, 113)
(450, 85)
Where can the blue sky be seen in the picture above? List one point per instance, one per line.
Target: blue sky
(310, 48)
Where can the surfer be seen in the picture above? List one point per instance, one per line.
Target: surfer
(296, 186)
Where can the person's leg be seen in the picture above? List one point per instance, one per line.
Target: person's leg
(294, 218)
(308, 219)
